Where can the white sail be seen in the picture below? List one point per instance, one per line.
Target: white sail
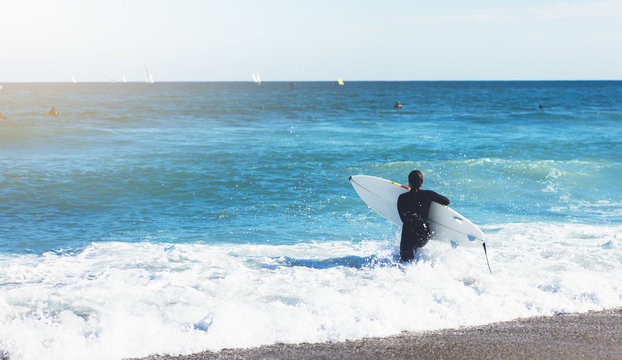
(73, 79)
(148, 77)
(256, 78)
(124, 79)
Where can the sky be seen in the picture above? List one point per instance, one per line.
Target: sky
(319, 40)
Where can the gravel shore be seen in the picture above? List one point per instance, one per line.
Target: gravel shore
(592, 335)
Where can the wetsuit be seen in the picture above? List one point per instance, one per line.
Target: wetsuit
(414, 208)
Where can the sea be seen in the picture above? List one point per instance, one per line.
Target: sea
(173, 218)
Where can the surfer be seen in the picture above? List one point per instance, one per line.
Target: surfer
(414, 208)
(397, 105)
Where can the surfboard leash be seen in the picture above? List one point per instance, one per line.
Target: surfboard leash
(487, 262)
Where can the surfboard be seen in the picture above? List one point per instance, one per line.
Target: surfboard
(446, 224)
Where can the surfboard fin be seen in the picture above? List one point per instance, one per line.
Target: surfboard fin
(487, 262)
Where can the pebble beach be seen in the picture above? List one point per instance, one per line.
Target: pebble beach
(592, 335)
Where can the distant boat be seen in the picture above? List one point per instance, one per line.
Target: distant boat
(73, 79)
(148, 77)
(339, 81)
(124, 79)
(52, 112)
(256, 78)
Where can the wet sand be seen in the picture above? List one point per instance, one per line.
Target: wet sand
(593, 335)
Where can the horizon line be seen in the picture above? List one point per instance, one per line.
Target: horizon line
(298, 81)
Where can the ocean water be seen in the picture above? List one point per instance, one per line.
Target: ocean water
(181, 217)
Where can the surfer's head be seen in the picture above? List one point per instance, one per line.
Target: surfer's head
(415, 179)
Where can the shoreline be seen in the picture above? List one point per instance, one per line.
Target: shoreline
(595, 334)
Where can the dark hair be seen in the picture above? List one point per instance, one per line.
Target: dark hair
(415, 179)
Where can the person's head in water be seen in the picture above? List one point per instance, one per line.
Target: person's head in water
(415, 179)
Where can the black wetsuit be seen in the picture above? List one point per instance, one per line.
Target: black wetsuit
(414, 208)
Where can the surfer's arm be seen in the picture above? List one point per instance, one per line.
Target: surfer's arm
(440, 198)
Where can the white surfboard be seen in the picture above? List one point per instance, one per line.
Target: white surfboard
(445, 223)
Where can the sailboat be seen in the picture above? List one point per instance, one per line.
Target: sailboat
(73, 79)
(124, 79)
(148, 77)
(339, 81)
(256, 78)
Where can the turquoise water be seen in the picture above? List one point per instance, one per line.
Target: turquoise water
(235, 162)
(217, 193)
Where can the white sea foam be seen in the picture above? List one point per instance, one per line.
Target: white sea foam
(115, 300)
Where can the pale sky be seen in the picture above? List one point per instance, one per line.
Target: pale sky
(193, 40)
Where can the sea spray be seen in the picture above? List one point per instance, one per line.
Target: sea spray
(113, 300)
